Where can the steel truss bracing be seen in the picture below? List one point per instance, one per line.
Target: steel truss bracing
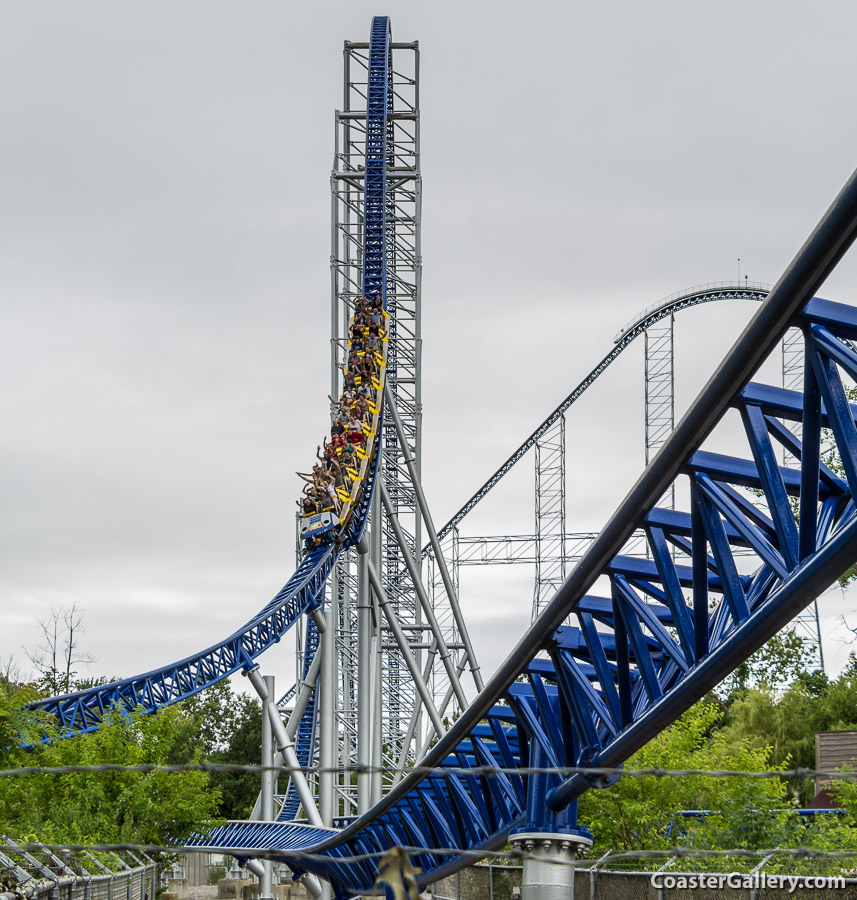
(523, 548)
(663, 630)
(659, 400)
(550, 554)
(402, 227)
(704, 293)
(660, 421)
(83, 711)
(651, 635)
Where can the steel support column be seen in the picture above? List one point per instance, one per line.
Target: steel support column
(807, 624)
(660, 391)
(548, 868)
(550, 514)
(286, 747)
(266, 882)
(328, 736)
(364, 683)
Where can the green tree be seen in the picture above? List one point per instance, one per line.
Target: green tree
(783, 659)
(57, 657)
(644, 813)
(107, 806)
(243, 745)
(17, 723)
(226, 727)
(786, 722)
(214, 714)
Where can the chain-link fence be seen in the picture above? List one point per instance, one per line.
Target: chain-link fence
(40, 872)
(503, 882)
(489, 880)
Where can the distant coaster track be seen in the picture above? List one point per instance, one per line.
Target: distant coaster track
(702, 293)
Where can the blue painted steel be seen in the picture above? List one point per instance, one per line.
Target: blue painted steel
(671, 626)
(82, 712)
(305, 737)
(377, 244)
(378, 100)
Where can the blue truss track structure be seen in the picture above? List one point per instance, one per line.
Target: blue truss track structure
(83, 711)
(651, 636)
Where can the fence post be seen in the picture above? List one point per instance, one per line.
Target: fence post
(109, 872)
(64, 858)
(126, 874)
(754, 892)
(593, 869)
(663, 868)
(152, 869)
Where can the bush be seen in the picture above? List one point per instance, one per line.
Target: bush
(216, 873)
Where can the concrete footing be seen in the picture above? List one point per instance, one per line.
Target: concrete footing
(179, 887)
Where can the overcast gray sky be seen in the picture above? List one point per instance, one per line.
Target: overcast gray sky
(164, 271)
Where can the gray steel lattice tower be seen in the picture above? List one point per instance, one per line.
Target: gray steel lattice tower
(792, 352)
(660, 391)
(369, 662)
(383, 642)
(550, 535)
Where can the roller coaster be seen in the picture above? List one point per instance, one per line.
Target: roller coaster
(651, 635)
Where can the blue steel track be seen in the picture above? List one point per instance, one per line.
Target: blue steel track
(652, 635)
(705, 293)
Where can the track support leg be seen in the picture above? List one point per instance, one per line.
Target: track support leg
(549, 864)
(550, 842)
(364, 682)
(266, 881)
(286, 747)
(451, 594)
